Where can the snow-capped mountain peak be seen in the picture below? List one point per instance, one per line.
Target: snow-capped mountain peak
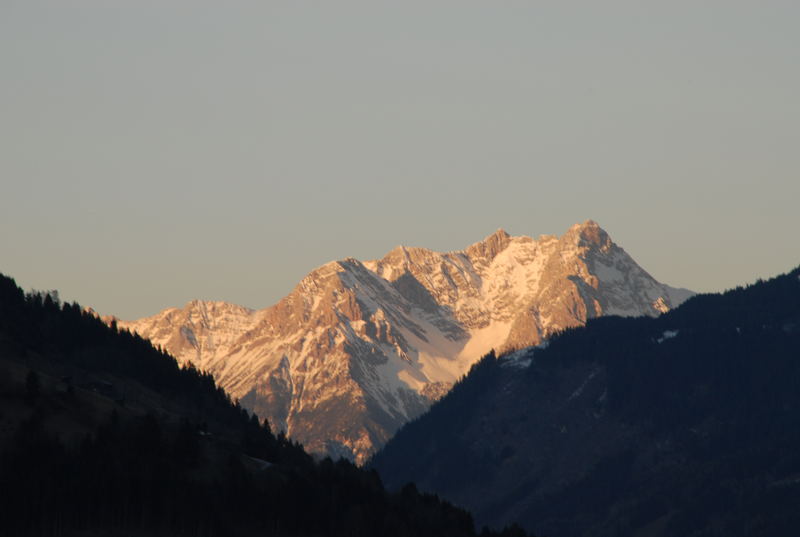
(357, 349)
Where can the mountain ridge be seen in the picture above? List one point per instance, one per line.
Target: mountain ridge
(356, 349)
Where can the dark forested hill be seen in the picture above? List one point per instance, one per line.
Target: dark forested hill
(101, 434)
(683, 425)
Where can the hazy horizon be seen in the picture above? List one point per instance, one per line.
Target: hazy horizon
(158, 152)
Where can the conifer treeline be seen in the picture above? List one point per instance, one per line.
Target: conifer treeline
(148, 475)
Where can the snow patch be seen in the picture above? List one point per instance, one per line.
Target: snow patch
(668, 334)
(579, 390)
(482, 340)
(520, 359)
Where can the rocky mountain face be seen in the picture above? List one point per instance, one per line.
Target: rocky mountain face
(359, 348)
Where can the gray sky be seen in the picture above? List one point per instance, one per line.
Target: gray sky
(152, 152)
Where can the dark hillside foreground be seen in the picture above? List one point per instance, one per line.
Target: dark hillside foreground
(103, 435)
(683, 425)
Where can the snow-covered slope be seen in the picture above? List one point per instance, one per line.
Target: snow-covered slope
(357, 349)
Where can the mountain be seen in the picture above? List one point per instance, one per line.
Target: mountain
(103, 435)
(359, 348)
(681, 425)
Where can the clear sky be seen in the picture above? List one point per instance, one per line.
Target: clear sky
(152, 152)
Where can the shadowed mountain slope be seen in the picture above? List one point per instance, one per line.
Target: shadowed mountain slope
(687, 424)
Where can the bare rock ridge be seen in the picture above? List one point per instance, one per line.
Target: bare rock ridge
(359, 348)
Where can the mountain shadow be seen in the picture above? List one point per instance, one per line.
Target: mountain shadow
(680, 425)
